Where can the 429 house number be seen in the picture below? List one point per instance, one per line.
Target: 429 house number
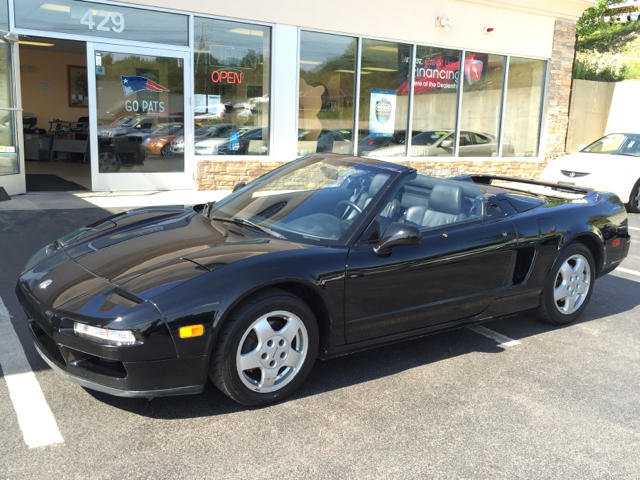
(103, 21)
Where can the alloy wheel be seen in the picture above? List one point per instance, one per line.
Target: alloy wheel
(272, 351)
(572, 283)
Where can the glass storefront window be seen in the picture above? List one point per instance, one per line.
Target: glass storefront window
(231, 86)
(325, 106)
(9, 163)
(384, 85)
(521, 126)
(102, 20)
(4, 15)
(435, 101)
(481, 105)
(140, 108)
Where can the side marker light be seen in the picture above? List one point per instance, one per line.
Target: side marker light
(191, 331)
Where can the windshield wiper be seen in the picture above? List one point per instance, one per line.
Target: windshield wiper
(248, 223)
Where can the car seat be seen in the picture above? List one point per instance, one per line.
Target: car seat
(445, 207)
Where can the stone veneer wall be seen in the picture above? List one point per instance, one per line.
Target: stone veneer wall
(559, 88)
(223, 174)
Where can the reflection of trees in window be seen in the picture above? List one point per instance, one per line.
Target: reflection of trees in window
(336, 76)
(326, 95)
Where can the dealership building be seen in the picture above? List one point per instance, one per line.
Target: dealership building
(161, 95)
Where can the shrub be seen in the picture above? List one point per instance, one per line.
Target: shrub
(584, 71)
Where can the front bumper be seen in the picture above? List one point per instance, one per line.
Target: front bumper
(176, 376)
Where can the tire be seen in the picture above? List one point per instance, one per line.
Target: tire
(266, 349)
(578, 280)
(108, 162)
(634, 199)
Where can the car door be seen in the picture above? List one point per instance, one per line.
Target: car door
(453, 273)
(467, 146)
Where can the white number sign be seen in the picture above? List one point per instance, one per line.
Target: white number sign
(103, 21)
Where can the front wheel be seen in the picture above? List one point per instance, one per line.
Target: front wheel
(266, 349)
(568, 286)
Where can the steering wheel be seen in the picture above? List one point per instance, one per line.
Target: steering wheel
(350, 206)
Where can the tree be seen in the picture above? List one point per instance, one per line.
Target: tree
(589, 20)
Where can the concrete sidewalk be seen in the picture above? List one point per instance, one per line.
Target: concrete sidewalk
(112, 201)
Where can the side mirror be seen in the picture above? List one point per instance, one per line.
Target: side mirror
(397, 234)
(448, 143)
(239, 185)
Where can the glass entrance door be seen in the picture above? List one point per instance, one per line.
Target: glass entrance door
(11, 165)
(140, 119)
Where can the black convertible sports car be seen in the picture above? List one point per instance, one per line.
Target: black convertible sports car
(321, 257)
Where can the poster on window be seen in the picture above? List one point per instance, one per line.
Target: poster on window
(382, 112)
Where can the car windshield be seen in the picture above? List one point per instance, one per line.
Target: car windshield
(123, 122)
(164, 128)
(428, 138)
(314, 199)
(214, 131)
(616, 144)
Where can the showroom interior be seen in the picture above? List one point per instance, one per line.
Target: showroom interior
(53, 76)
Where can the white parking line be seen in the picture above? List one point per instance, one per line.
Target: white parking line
(628, 271)
(634, 228)
(502, 340)
(36, 421)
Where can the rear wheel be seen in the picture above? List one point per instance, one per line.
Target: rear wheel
(634, 199)
(109, 162)
(568, 286)
(266, 349)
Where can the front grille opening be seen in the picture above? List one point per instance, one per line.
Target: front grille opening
(101, 366)
(46, 342)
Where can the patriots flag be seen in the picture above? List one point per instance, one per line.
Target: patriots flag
(135, 83)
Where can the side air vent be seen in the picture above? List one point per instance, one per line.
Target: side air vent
(524, 260)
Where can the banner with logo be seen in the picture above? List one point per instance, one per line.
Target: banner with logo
(442, 72)
(476, 67)
(382, 112)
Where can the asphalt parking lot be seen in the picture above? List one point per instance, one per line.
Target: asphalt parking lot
(551, 403)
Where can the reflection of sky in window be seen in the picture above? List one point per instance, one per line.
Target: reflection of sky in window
(317, 48)
(4, 15)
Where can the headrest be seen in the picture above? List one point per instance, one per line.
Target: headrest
(446, 198)
(376, 183)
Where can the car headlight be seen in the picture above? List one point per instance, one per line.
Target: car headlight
(115, 337)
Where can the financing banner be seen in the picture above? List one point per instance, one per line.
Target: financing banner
(442, 73)
(382, 112)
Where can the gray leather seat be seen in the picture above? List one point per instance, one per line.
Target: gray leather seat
(363, 199)
(445, 207)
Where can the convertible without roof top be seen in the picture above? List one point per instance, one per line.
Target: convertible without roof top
(323, 256)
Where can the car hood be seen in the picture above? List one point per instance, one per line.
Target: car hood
(581, 162)
(210, 142)
(142, 254)
(112, 131)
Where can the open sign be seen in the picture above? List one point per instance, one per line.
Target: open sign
(226, 76)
